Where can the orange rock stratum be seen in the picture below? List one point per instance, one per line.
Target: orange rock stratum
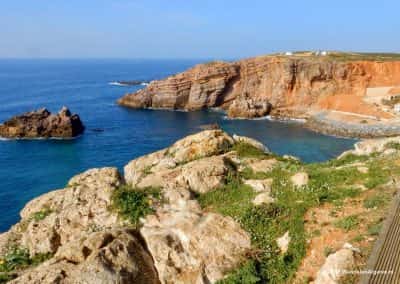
(286, 86)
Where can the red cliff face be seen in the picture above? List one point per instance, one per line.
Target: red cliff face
(287, 86)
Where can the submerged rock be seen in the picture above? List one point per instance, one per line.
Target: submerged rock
(42, 124)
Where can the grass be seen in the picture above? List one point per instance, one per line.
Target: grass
(133, 204)
(40, 215)
(375, 201)
(374, 229)
(328, 251)
(265, 224)
(329, 182)
(245, 150)
(16, 259)
(392, 145)
(364, 56)
(348, 223)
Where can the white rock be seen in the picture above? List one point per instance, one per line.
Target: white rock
(260, 185)
(299, 179)
(264, 165)
(189, 246)
(363, 170)
(283, 242)
(263, 198)
(335, 265)
(252, 142)
(203, 144)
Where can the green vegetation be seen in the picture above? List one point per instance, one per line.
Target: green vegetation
(328, 251)
(348, 223)
(265, 224)
(40, 215)
(375, 201)
(375, 228)
(147, 170)
(332, 182)
(132, 203)
(18, 258)
(329, 182)
(245, 150)
(393, 145)
(364, 56)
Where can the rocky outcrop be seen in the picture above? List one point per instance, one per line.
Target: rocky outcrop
(176, 242)
(370, 146)
(111, 256)
(281, 85)
(42, 124)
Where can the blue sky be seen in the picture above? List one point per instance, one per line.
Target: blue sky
(193, 28)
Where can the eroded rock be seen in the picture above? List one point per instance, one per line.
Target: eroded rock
(42, 124)
(299, 179)
(332, 270)
(68, 213)
(189, 246)
(252, 142)
(112, 256)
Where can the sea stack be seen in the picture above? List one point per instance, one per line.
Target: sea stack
(43, 124)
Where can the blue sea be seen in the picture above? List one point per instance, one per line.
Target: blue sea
(31, 168)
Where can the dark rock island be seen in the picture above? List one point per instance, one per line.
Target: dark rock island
(43, 124)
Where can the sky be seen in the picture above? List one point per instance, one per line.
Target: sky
(193, 28)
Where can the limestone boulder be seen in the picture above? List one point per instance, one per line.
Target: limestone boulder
(299, 179)
(283, 242)
(203, 144)
(112, 256)
(260, 185)
(206, 174)
(369, 146)
(263, 165)
(191, 246)
(251, 141)
(263, 198)
(58, 217)
(332, 270)
(245, 107)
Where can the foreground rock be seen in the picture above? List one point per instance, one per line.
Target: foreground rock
(190, 246)
(42, 124)
(87, 241)
(336, 266)
(111, 256)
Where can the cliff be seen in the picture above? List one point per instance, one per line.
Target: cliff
(211, 207)
(290, 86)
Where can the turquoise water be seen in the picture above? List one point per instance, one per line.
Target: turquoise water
(30, 168)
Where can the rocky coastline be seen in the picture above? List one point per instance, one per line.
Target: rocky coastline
(321, 124)
(42, 124)
(281, 86)
(211, 207)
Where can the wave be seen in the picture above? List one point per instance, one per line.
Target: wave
(129, 83)
(268, 117)
(39, 138)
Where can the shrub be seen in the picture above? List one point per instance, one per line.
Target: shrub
(375, 229)
(392, 145)
(245, 150)
(133, 204)
(375, 201)
(40, 215)
(348, 223)
(18, 258)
